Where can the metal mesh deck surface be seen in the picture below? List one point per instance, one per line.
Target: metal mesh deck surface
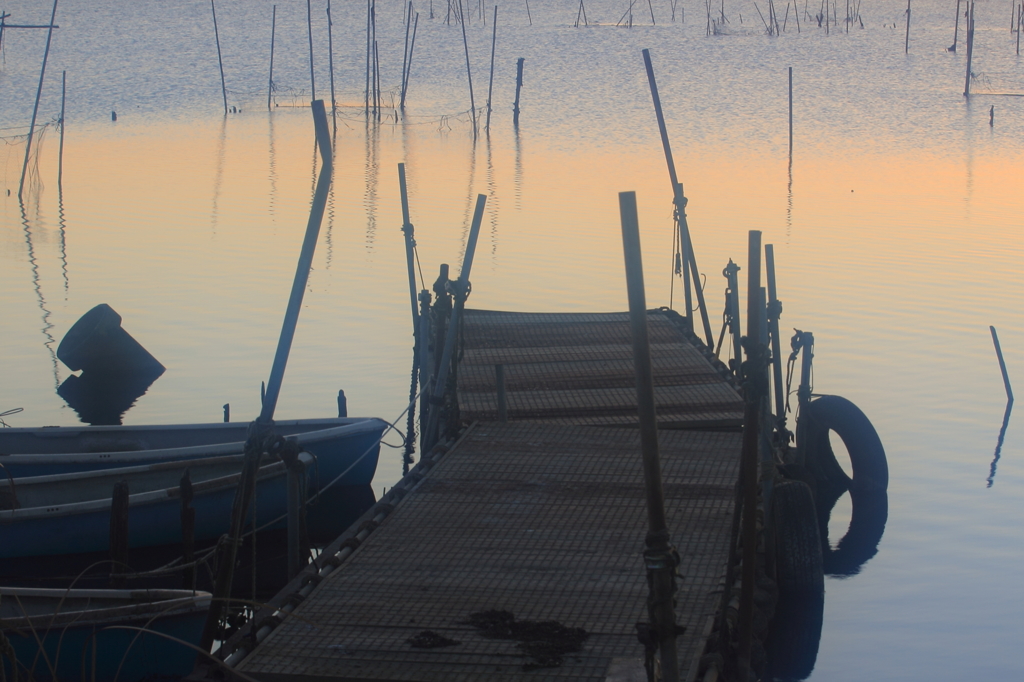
(578, 369)
(543, 520)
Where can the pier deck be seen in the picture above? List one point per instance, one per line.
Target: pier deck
(543, 517)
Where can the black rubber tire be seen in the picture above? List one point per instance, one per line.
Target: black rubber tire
(792, 646)
(798, 560)
(867, 456)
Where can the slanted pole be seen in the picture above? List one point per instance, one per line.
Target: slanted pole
(680, 202)
(408, 70)
(220, 60)
(39, 92)
(658, 555)
(469, 73)
(316, 215)
(60, 154)
(309, 31)
(330, 65)
(490, 85)
(774, 312)
(410, 245)
(970, 49)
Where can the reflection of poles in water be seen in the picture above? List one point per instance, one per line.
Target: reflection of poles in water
(272, 171)
(492, 196)
(60, 186)
(35, 108)
(312, 184)
(219, 174)
(329, 237)
(1002, 364)
(469, 194)
(37, 286)
(517, 176)
(371, 171)
(789, 198)
(999, 444)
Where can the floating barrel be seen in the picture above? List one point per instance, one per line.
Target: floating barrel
(98, 345)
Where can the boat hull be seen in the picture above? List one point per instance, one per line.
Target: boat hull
(91, 630)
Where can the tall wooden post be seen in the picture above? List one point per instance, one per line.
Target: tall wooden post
(490, 84)
(970, 48)
(658, 555)
(309, 31)
(60, 154)
(519, 86)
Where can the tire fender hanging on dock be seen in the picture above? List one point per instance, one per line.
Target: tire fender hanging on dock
(867, 456)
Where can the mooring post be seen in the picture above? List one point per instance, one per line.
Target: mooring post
(753, 380)
(499, 380)
(1002, 365)
(296, 478)
(658, 555)
(227, 412)
(188, 532)
(270, 80)
(220, 60)
(490, 84)
(342, 404)
(405, 50)
(956, 28)
(35, 107)
(461, 286)
(774, 312)
(519, 86)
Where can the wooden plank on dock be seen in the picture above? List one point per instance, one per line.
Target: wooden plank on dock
(545, 521)
(578, 368)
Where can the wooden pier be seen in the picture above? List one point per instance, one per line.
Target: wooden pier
(542, 517)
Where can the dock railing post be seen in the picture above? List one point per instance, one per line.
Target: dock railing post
(753, 390)
(774, 312)
(461, 286)
(659, 557)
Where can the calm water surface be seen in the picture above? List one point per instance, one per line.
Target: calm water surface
(897, 234)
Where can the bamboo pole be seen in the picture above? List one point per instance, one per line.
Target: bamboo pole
(1002, 365)
(956, 28)
(220, 60)
(330, 65)
(906, 45)
(680, 201)
(970, 48)
(658, 558)
(309, 31)
(405, 50)
(469, 74)
(270, 80)
(366, 89)
(60, 154)
(519, 86)
(490, 83)
(316, 215)
(791, 114)
(412, 49)
(35, 107)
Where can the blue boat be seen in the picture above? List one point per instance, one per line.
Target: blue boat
(70, 513)
(88, 634)
(348, 446)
